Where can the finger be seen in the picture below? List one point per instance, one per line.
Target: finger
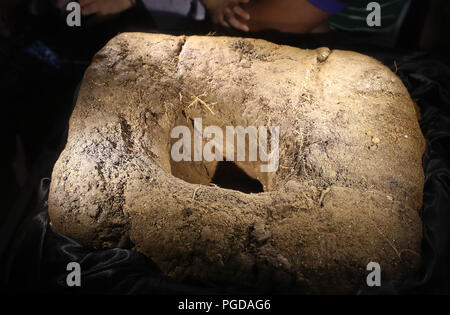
(223, 22)
(231, 19)
(90, 9)
(228, 13)
(241, 12)
(237, 24)
(84, 3)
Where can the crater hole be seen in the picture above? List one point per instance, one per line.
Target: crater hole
(229, 175)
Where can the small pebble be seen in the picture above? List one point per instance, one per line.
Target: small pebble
(373, 148)
(406, 136)
(375, 140)
(323, 53)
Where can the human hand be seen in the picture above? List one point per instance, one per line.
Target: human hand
(103, 8)
(228, 13)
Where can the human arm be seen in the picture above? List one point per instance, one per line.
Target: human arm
(291, 16)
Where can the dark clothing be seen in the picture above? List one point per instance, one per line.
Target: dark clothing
(174, 13)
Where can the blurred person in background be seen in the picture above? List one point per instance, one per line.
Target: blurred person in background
(170, 14)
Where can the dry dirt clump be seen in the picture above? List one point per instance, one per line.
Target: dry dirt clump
(347, 191)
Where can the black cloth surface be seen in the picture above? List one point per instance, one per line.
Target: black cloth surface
(34, 258)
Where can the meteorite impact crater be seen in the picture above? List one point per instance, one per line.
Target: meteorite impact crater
(346, 192)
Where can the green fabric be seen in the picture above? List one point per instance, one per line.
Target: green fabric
(354, 16)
